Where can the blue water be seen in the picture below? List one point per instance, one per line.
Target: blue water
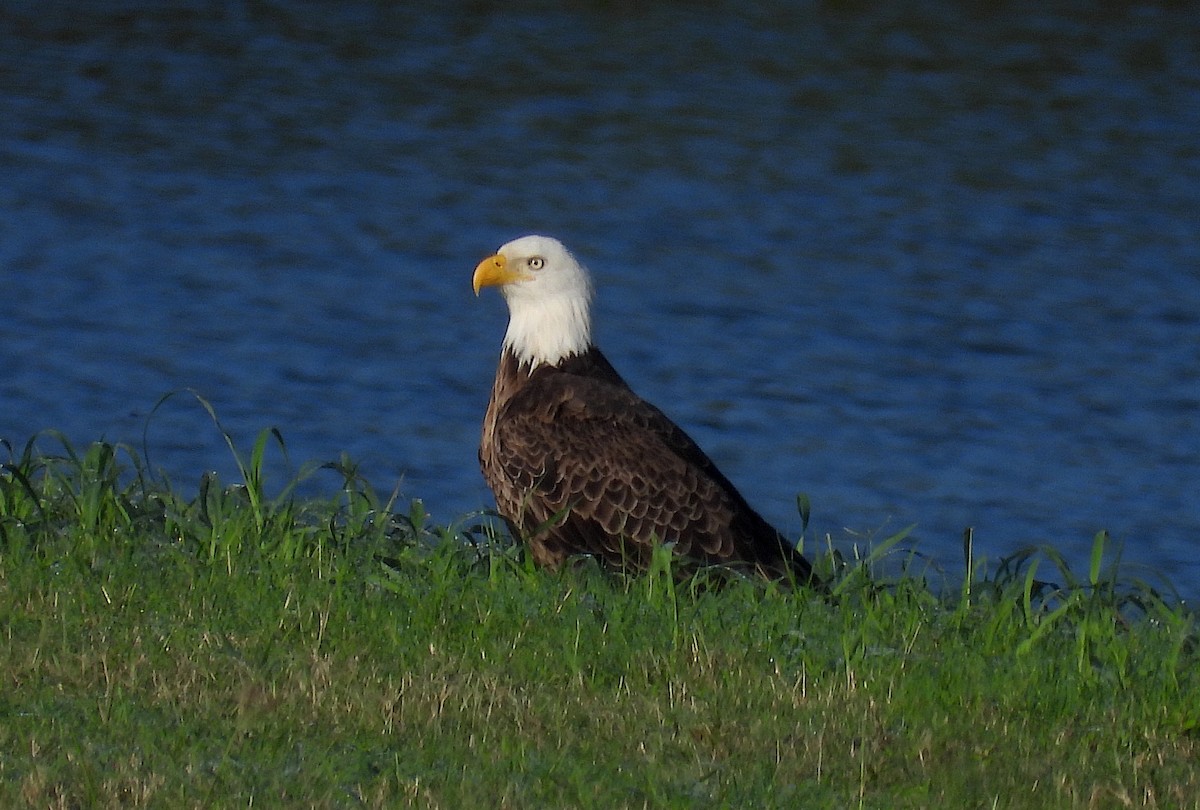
(927, 265)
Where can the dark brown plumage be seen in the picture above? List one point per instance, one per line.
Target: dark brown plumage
(579, 464)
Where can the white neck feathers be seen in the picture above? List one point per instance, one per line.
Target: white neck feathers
(548, 330)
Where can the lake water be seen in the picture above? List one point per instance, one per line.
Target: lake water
(925, 264)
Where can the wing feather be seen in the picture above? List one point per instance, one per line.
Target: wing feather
(620, 473)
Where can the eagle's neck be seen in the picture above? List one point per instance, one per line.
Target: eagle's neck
(548, 330)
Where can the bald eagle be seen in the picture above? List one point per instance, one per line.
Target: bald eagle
(578, 462)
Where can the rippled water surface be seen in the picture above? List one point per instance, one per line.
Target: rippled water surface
(931, 267)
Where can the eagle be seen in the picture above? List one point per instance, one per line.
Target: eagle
(581, 465)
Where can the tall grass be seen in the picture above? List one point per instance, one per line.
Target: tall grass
(249, 647)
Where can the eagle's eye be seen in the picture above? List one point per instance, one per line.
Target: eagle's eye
(537, 263)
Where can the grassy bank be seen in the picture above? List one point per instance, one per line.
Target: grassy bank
(239, 649)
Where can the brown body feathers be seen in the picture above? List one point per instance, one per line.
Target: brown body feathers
(579, 464)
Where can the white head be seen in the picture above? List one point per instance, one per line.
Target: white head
(548, 295)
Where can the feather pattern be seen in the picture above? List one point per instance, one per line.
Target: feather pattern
(579, 464)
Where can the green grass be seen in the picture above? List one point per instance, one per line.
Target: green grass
(243, 648)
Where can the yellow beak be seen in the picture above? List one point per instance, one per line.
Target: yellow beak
(493, 271)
